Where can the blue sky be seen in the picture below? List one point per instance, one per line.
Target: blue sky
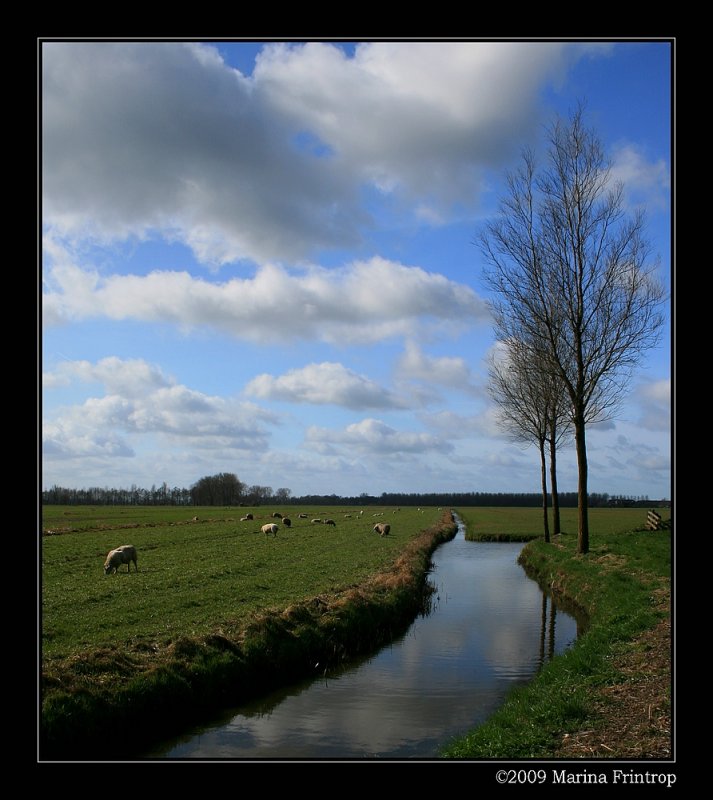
(258, 258)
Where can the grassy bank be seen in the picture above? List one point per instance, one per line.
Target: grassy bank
(609, 695)
(217, 614)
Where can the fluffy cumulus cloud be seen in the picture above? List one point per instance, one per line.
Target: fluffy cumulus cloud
(139, 402)
(421, 117)
(140, 137)
(373, 437)
(447, 371)
(366, 301)
(124, 377)
(325, 383)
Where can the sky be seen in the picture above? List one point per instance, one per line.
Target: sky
(260, 258)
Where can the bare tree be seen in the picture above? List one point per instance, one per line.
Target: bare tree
(533, 407)
(572, 272)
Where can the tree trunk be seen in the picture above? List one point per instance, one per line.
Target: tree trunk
(553, 485)
(543, 462)
(582, 497)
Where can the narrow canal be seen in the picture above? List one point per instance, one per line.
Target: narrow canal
(490, 627)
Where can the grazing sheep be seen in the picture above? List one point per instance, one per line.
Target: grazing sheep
(302, 516)
(382, 528)
(286, 521)
(249, 516)
(330, 522)
(121, 555)
(277, 515)
(316, 521)
(246, 519)
(270, 528)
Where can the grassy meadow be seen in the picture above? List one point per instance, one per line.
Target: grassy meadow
(522, 524)
(217, 613)
(199, 577)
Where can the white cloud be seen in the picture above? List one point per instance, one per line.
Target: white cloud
(129, 378)
(640, 457)
(325, 383)
(65, 439)
(655, 403)
(451, 425)
(140, 402)
(419, 117)
(646, 183)
(144, 137)
(367, 301)
(374, 437)
(451, 372)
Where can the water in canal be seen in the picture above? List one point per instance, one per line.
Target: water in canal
(490, 627)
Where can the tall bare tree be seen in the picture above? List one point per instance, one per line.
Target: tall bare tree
(533, 408)
(572, 272)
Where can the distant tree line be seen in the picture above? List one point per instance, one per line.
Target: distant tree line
(103, 496)
(225, 489)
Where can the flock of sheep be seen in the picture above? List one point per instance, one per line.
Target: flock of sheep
(127, 552)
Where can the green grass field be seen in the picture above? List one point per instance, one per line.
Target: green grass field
(527, 522)
(199, 577)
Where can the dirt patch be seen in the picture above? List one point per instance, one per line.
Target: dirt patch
(633, 717)
(610, 561)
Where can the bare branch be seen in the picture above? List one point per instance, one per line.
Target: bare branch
(573, 284)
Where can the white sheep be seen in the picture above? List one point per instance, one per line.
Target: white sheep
(121, 555)
(382, 528)
(270, 528)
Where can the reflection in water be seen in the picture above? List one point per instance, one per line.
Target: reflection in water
(547, 635)
(543, 623)
(553, 617)
(488, 628)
